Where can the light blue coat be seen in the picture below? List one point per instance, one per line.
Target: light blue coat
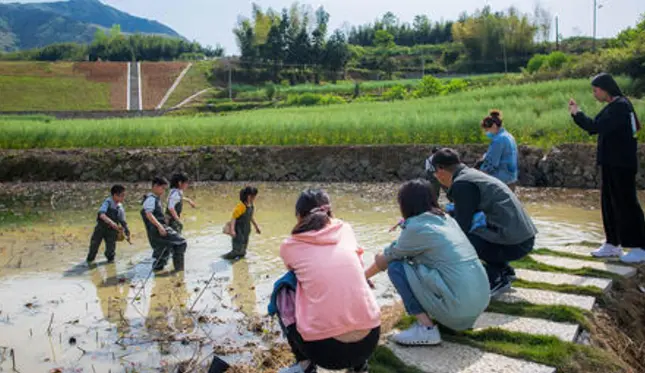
(443, 270)
(501, 160)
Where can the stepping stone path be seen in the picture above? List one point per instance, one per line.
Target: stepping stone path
(563, 331)
(562, 279)
(568, 263)
(547, 298)
(456, 358)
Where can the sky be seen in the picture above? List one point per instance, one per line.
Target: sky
(211, 22)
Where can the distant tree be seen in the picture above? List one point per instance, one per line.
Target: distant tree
(245, 37)
(544, 21)
(384, 39)
(336, 54)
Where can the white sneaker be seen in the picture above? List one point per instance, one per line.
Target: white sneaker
(418, 335)
(634, 256)
(607, 250)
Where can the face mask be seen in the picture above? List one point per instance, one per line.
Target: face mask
(490, 135)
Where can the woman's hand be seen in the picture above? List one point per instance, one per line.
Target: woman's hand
(573, 107)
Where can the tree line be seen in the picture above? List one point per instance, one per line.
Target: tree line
(422, 31)
(113, 45)
(484, 41)
(296, 37)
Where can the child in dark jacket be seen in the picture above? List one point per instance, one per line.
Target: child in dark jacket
(163, 239)
(110, 223)
(178, 184)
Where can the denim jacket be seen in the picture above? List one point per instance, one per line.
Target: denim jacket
(501, 159)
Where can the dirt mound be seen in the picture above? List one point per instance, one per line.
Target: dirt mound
(113, 73)
(619, 325)
(157, 78)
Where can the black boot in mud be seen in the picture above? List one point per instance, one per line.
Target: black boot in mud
(233, 255)
(178, 262)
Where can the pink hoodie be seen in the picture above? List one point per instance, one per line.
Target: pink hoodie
(333, 297)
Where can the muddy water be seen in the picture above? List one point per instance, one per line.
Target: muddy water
(55, 313)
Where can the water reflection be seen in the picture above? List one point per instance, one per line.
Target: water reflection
(112, 293)
(168, 316)
(243, 287)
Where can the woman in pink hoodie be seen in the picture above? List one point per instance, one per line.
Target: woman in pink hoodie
(337, 318)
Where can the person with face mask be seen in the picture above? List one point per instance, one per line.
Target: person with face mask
(500, 161)
(616, 126)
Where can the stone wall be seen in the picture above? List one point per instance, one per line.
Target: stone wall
(571, 166)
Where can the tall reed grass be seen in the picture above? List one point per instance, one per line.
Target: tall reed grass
(536, 114)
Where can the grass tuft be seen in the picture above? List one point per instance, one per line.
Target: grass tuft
(567, 357)
(383, 360)
(565, 314)
(591, 291)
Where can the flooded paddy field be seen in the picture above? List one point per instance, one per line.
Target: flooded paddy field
(58, 315)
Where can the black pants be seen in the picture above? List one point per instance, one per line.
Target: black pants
(622, 215)
(496, 257)
(162, 246)
(102, 232)
(331, 353)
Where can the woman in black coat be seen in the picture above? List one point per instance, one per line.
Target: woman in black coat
(616, 126)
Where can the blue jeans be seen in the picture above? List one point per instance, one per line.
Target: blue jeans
(396, 272)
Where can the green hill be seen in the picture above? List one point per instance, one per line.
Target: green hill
(34, 25)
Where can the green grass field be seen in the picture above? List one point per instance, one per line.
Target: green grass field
(21, 93)
(536, 114)
(347, 88)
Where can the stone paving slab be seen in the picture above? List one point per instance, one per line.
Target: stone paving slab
(562, 279)
(579, 264)
(455, 358)
(547, 298)
(563, 331)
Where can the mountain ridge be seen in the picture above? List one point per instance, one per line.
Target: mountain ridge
(35, 25)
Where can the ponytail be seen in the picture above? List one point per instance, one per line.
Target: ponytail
(314, 209)
(316, 220)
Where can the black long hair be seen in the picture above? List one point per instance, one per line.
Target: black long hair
(417, 197)
(247, 192)
(314, 209)
(178, 178)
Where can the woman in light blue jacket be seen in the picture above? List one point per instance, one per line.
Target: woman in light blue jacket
(434, 268)
(501, 160)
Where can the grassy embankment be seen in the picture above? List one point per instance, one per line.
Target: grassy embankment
(33, 86)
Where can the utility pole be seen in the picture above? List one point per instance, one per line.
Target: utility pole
(423, 66)
(557, 33)
(505, 58)
(230, 82)
(595, 22)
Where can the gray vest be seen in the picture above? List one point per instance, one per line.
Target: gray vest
(507, 221)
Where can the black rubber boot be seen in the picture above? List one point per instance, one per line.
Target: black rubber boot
(232, 255)
(178, 262)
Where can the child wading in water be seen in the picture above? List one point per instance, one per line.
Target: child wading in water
(178, 184)
(240, 225)
(162, 238)
(110, 222)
